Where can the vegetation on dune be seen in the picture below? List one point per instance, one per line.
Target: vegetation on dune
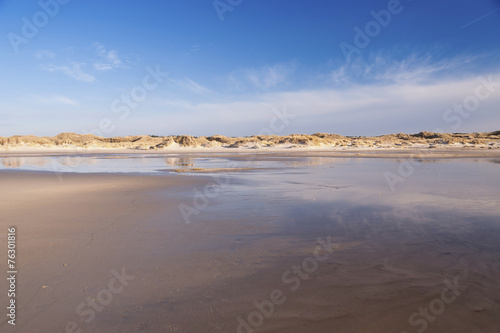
(255, 141)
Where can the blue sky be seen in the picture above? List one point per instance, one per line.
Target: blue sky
(229, 66)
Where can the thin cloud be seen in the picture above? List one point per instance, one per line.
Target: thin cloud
(190, 85)
(417, 68)
(75, 71)
(177, 103)
(65, 100)
(45, 54)
(262, 78)
(84, 71)
(53, 99)
(193, 49)
(107, 59)
(350, 110)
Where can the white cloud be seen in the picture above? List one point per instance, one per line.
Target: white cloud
(45, 54)
(102, 66)
(190, 85)
(368, 98)
(99, 49)
(193, 49)
(176, 103)
(75, 70)
(65, 100)
(417, 68)
(53, 99)
(262, 78)
(368, 109)
(84, 71)
(107, 59)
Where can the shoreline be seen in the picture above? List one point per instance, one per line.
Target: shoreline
(361, 152)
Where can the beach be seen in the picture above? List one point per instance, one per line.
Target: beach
(227, 167)
(290, 243)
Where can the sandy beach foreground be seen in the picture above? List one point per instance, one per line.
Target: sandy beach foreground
(109, 252)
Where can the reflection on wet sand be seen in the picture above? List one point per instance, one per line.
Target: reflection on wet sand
(316, 161)
(179, 161)
(17, 162)
(45, 162)
(256, 256)
(74, 161)
(398, 251)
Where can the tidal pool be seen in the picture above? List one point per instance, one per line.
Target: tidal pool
(286, 244)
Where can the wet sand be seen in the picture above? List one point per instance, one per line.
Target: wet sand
(444, 152)
(222, 272)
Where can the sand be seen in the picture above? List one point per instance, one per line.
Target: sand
(76, 234)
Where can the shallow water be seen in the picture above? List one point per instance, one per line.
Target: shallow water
(467, 184)
(439, 221)
(434, 220)
(105, 163)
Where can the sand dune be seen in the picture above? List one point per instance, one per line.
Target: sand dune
(317, 140)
